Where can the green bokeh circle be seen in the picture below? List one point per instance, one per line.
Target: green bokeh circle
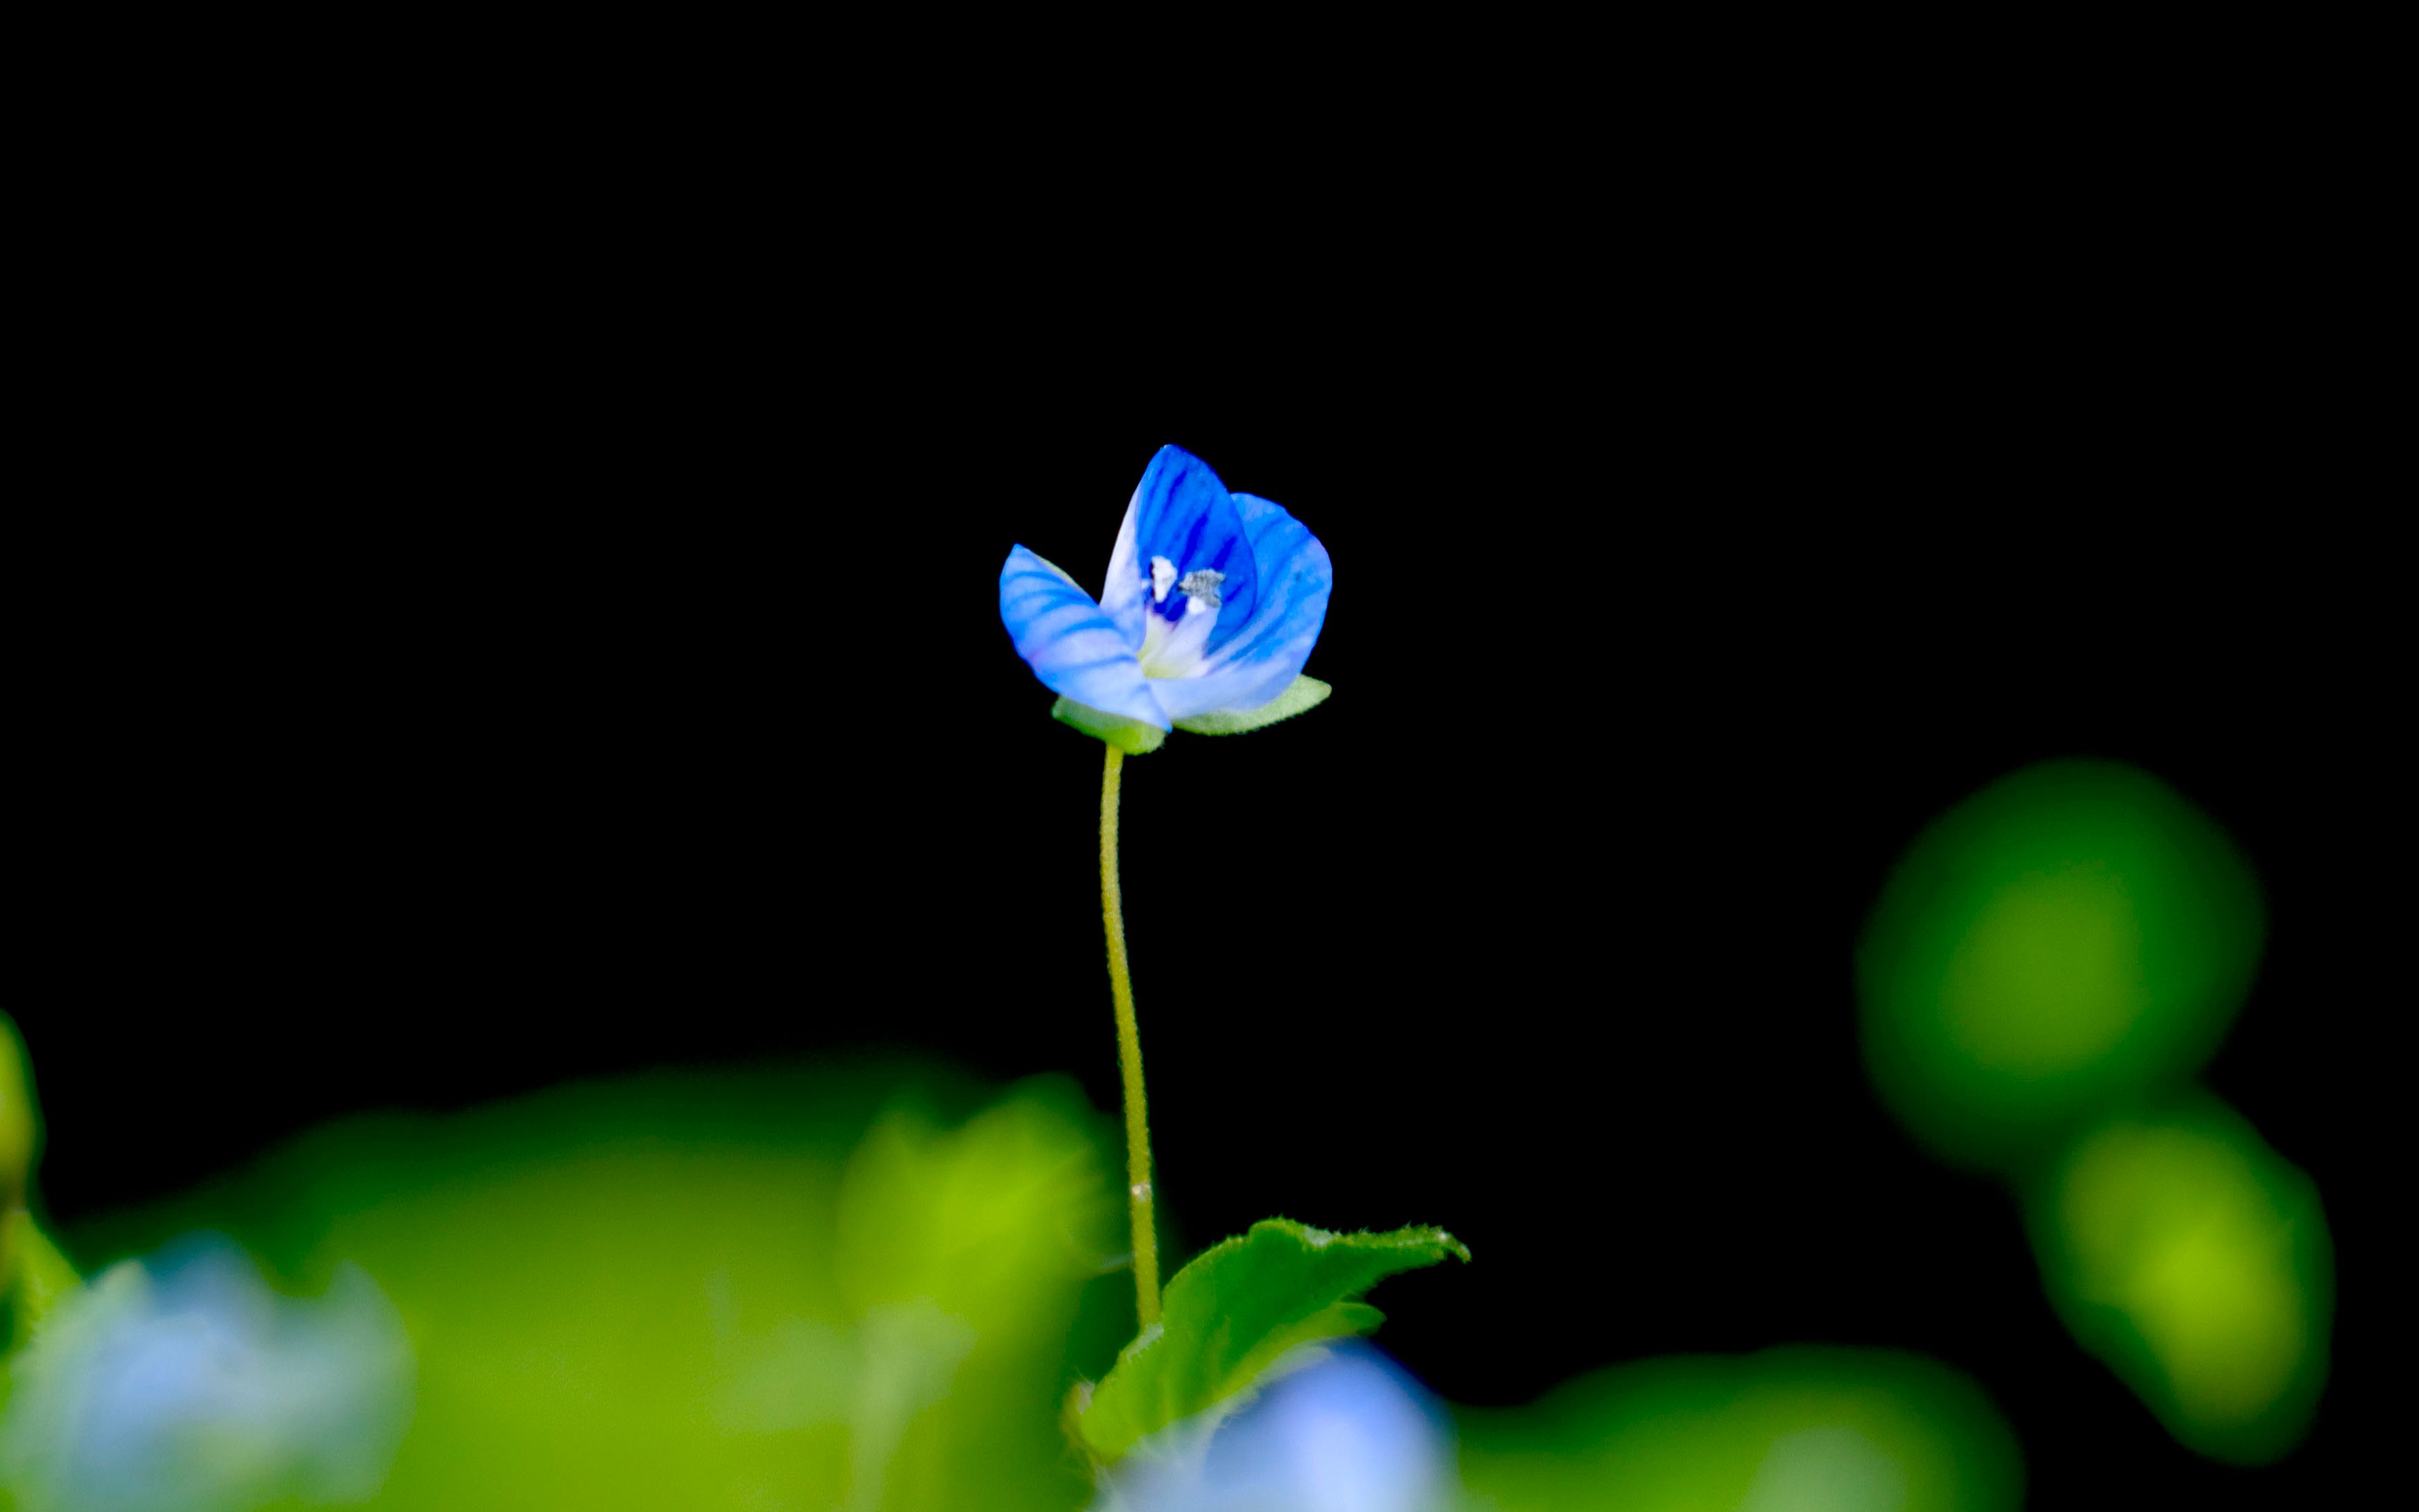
(2196, 1261)
(2064, 940)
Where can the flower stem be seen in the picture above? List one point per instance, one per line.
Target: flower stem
(1145, 1238)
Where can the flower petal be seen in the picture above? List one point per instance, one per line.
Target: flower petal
(1263, 658)
(1180, 512)
(1075, 648)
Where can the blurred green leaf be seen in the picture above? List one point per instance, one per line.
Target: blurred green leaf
(36, 1276)
(1234, 1310)
(2197, 1263)
(2058, 945)
(843, 1290)
(1786, 1430)
(20, 1127)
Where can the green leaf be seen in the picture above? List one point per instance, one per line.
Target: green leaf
(1132, 736)
(1231, 1313)
(1303, 693)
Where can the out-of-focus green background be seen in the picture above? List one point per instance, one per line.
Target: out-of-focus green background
(872, 1284)
(870, 1287)
(856, 1288)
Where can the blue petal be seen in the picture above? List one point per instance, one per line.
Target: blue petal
(1069, 642)
(1265, 656)
(134, 1400)
(1351, 1430)
(1180, 511)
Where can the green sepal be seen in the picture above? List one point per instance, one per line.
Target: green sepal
(1302, 694)
(1132, 736)
(1230, 1314)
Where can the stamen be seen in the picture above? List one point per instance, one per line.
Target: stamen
(1162, 576)
(1201, 585)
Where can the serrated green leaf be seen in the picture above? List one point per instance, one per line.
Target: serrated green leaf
(1239, 1307)
(1303, 693)
(1132, 736)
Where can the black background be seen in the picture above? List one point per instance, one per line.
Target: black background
(524, 644)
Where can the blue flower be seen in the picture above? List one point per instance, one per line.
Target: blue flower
(1212, 603)
(1338, 1429)
(184, 1382)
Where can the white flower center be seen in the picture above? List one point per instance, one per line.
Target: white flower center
(1173, 648)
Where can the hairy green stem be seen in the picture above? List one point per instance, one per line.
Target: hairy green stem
(1145, 1238)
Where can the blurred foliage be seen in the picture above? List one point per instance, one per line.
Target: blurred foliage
(2057, 954)
(1233, 1311)
(20, 1126)
(1786, 1430)
(34, 1275)
(699, 1291)
(2196, 1262)
(865, 1290)
(37, 1276)
(2069, 937)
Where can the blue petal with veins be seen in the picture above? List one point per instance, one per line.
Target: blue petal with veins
(1072, 645)
(1263, 656)
(1182, 514)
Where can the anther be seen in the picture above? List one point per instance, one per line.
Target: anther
(1202, 585)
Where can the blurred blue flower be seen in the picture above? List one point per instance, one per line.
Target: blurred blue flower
(1212, 603)
(1348, 1432)
(184, 1382)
